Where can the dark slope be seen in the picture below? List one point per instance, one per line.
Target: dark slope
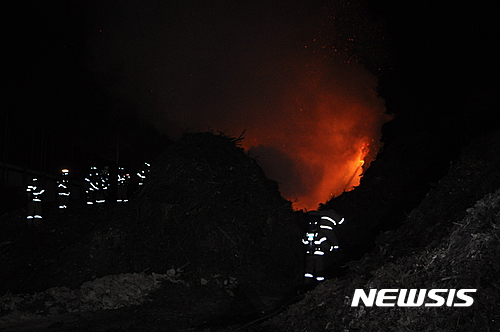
(450, 240)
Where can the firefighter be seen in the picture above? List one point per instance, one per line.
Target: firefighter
(91, 186)
(35, 194)
(122, 185)
(103, 186)
(320, 241)
(63, 190)
(143, 173)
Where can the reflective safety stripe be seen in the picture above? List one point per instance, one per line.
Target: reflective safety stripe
(329, 219)
(29, 217)
(37, 216)
(308, 275)
(326, 227)
(305, 241)
(317, 252)
(323, 239)
(320, 278)
(341, 221)
(333, 247)
(90, 202)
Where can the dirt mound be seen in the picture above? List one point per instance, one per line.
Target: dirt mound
(110, 292)
(394, 184)
(207, 217)
(209, 208)
(450, 241)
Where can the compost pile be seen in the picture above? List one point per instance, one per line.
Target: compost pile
(209, 209)
(450, 241)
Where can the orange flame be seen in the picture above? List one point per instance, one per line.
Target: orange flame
(313, 124)
(325, 136)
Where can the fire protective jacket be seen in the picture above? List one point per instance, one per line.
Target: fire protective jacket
(91, 179)
(122, 177)
(91, 185)
(35, 191)
(122, 183)
(63, 185)
(63, 190)
(143, 173)
(104, 179)
(103, 186)
(320, 237)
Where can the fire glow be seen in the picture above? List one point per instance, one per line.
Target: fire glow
(313, 123)
(325, 134)
(284, 72)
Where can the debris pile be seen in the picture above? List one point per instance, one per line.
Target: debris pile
(207, 213)
(450, 241)
(208, 206)
(109, 292)
(218, 229)
(468, 259)
(394, 184)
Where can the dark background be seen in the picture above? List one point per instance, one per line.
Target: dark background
(83, 99)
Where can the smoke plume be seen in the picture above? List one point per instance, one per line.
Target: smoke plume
(311, 118)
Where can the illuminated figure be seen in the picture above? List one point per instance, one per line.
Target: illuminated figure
(35, 194)
(103, 186)
(122, 184)
(91, 186)
(63, 190)
(319, 240)
(143, 173)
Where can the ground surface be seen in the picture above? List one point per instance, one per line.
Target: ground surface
(449, 240)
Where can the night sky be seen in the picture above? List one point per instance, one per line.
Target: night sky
(106, 74)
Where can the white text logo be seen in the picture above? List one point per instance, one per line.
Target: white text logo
(413, 297)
